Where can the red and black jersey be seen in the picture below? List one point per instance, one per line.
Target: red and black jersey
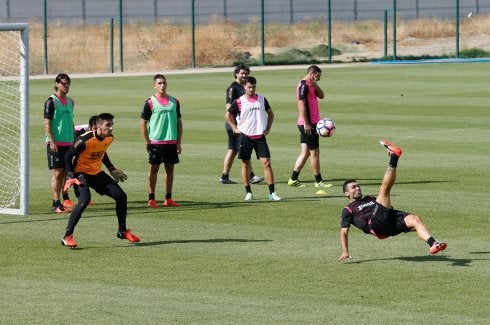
(358, 213)
(88, 153)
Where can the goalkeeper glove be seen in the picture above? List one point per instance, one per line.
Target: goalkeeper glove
(118, 175)
(69, 182)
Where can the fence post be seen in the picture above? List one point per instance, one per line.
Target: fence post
(45, 13)
(262, 27)
(8, 10)
(385, 33)
(329, 26)
(394, 30)
(111, 42)
(457, 29)
(193, 33)
(121, 37)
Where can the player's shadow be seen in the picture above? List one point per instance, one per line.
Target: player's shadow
(201, 241)
(378, 183)
(425, 258)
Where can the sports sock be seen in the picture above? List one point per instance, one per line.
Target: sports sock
(65, 196)
(248, 189)
(56, 203)
(122, 228)
(318, 178)
(225, 176)
(295, 175)
(393, 161)
(168, 196)
(271, 188)
(252, 175)
(151, 196)
(430, 241)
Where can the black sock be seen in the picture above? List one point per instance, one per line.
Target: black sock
(393, 161)
(168, 196)
(318, 178)
(295, 175)
(65, 196)
(430, 241)
(271, 188)
(151, 196)
(56, 203)
(225, 176)
(252, 175)
(248, 189)
(122, 228)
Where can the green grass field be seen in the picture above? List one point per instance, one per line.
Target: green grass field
(218, 259)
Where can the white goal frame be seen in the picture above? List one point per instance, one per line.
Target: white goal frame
(23, 28)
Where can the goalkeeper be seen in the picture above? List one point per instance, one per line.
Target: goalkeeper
(83, 165)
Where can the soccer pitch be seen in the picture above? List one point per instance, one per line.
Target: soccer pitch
(218, 259)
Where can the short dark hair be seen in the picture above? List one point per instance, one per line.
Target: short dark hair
(92, 120)
(347, 182)
(251, 80)
(240, 67)
(313, 68)
(104, 117)
(60, 77)
(159, 76)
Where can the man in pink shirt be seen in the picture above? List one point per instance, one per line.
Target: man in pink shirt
(309, 114)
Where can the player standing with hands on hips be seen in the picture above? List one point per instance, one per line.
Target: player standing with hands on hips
(83, 166)
(376, 216)
(308, 91)
(254, 123)
(161, 128)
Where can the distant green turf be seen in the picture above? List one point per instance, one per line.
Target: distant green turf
(218, 259)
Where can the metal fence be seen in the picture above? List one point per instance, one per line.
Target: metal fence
(283, 11)
(76, 35)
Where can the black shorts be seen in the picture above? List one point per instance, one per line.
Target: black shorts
(101, 182)
(247, 145)
(232, 138)
(312, 140)
(57, 159)
(388, 222)
(163, 153)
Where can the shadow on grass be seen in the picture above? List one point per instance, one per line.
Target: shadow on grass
(177, 241)
(202, 241)
(425, 258)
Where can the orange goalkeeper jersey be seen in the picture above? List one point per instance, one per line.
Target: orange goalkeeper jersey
(90, 152)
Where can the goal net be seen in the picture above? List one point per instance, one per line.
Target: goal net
(14, 119)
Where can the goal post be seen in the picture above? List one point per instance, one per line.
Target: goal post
(14, 118)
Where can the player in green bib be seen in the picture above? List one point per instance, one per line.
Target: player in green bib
(60, 132)
(161, 128)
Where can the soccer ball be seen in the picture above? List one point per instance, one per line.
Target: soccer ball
(325, 127)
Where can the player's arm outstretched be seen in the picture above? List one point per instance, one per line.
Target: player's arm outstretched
(344, 243)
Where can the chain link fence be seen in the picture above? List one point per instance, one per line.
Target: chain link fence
(75, 35)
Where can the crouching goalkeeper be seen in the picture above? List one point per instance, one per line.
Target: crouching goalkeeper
(83, 166)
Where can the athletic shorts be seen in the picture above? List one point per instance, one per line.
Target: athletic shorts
(163, 153)
(312, 140)
(232, 138)
(102, 183)
(388, 222)
(247, 145)
(57, 159)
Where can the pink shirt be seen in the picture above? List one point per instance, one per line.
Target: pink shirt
(307, 94)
